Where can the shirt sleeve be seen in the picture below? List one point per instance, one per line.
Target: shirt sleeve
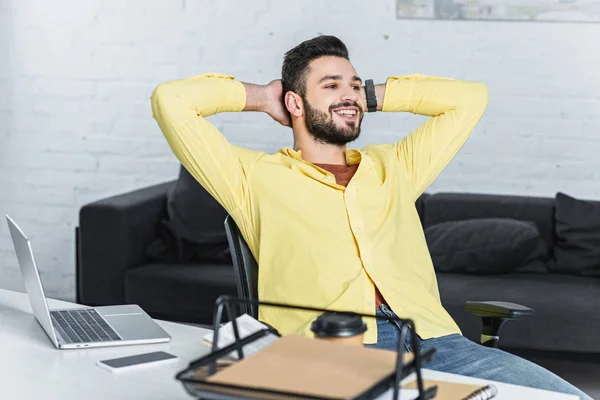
(180, 108)
(455, 108)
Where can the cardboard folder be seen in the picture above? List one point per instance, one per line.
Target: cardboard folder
(311, 367)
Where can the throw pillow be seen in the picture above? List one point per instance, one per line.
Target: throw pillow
(487, 246)
(193, 229)
(577, 247)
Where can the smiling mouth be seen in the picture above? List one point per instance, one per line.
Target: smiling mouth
(347, 113)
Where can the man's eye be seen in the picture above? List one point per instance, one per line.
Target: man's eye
(356, 87)
(330, 86)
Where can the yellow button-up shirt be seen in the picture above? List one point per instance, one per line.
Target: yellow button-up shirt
(317, 243)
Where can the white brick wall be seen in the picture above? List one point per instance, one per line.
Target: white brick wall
(75, 122)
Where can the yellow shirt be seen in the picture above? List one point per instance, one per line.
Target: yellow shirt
(316, 242)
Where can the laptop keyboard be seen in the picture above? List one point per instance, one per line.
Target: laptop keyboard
(83, 326)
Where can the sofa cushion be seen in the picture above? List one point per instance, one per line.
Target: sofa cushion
(485, 245)
(185, 292)
(443, 207)
(567, 313)
(193, 229)
(577, 249)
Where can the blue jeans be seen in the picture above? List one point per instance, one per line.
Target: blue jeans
(458, 355)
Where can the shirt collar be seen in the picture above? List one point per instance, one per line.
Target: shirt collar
(352, 156)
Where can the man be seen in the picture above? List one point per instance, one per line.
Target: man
(332, 227)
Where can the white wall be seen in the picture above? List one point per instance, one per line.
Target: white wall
(83, 71)
(8, 274)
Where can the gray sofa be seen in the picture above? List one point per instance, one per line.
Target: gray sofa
(113, 268)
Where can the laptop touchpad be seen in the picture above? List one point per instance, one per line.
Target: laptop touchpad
(131, 322)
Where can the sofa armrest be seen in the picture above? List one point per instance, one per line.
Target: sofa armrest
(114, 234)
(493, 315)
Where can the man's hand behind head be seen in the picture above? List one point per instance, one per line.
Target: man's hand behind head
(275, 106)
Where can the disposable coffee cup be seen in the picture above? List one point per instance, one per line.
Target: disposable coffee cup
(346, 328)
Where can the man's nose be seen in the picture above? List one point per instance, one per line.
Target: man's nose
(350, 95)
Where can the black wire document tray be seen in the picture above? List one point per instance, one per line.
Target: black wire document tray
(299, 367)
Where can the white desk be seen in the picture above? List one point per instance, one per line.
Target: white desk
(31, 368)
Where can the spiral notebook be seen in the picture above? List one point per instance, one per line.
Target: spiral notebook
(456, 391)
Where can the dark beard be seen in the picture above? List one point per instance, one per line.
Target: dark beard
(325, 130)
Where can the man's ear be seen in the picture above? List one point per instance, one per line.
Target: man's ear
(294, 104)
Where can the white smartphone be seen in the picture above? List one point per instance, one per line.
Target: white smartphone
(137, 361)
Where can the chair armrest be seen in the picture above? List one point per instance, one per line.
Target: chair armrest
(493, 315)
(114, 234)
(498, 309)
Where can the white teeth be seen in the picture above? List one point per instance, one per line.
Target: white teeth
(347, 112)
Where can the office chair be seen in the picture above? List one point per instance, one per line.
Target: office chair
(493, 313)
(244, 266)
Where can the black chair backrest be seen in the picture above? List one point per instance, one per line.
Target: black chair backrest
(244, 265)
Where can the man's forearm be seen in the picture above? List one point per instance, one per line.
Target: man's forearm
(433, 96)
(202, 95)
(257, 97)
(269, 99)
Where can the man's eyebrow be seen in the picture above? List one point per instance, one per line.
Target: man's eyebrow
(338, 78)
(331, 78)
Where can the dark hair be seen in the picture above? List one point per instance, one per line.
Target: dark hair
(296, 61)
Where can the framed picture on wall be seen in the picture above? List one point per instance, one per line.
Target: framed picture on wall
(501, 10)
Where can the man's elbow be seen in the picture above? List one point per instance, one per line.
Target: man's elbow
(159, 97)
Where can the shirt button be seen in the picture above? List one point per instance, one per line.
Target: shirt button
(358, 229)
(369, 304)
(329, 177)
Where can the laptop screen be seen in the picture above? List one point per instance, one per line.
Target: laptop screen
(31, 279)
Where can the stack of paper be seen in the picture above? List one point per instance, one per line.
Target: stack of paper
(246, 326)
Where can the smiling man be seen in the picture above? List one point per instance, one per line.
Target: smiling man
(329, 226)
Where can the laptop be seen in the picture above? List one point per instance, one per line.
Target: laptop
(82, 327)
